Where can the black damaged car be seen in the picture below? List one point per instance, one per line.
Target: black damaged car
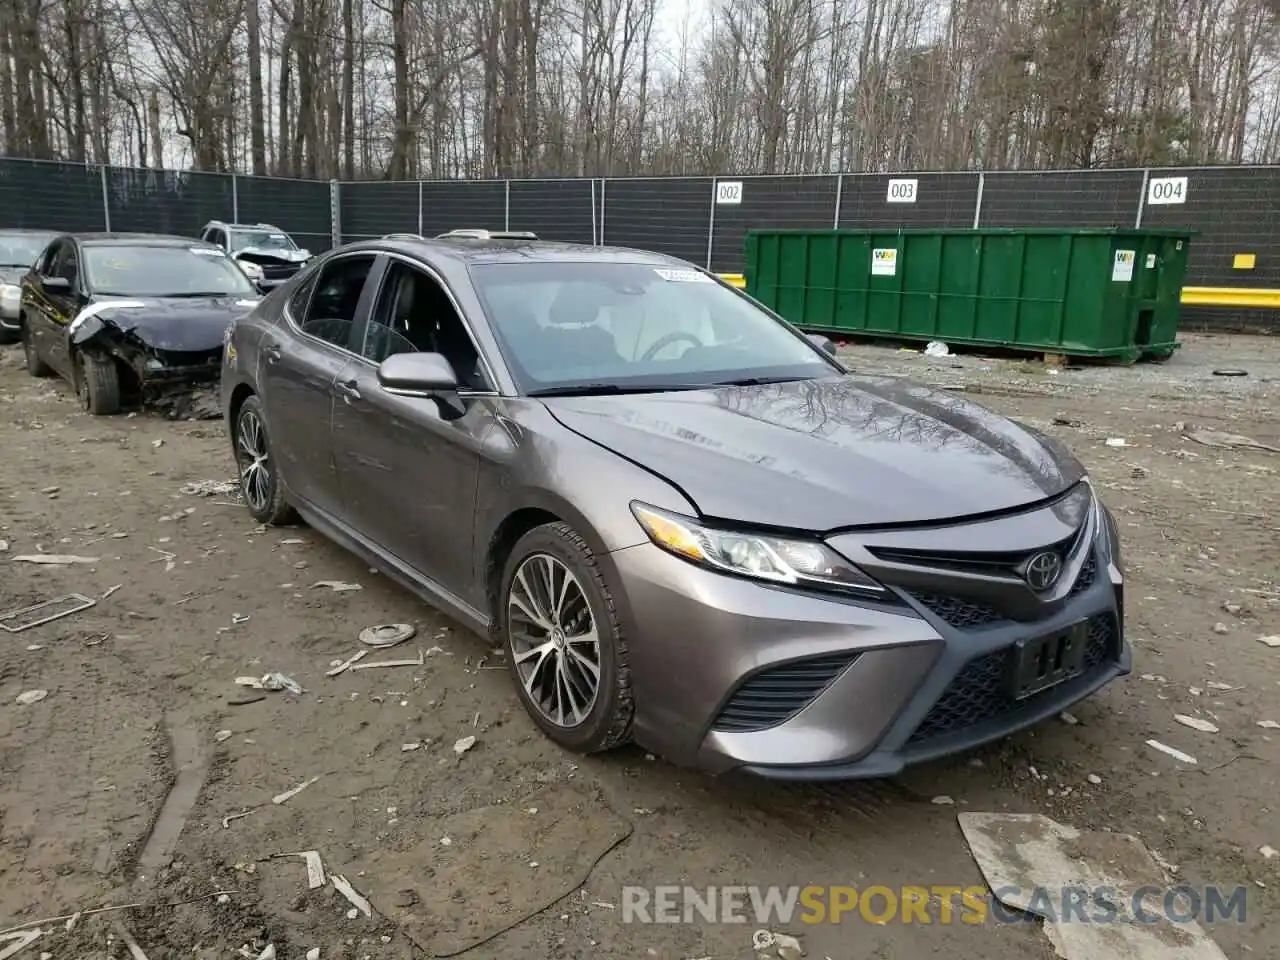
(130, 317)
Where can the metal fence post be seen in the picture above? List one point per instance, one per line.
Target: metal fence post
(835, 220)
(419, 208)
(235, 200)
(977, 207)
(711, 224)
(335, 213)
(506, 205)
(593, 213)
(603, 180)
(1142, 198)
(106, 198)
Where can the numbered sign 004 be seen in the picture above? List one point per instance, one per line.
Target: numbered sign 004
(728, 191)
(1161, 190)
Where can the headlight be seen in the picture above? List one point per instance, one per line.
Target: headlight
(9, 293)
(251, 270)
(803, 563)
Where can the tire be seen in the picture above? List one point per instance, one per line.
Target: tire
(606, 722)
(35, 366)
(98, 385)
(255, 466)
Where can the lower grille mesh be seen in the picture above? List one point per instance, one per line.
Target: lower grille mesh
(978, 695)
(776, 694)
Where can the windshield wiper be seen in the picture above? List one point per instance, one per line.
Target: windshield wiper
(756, 381)
(605, 389)
(190, 295)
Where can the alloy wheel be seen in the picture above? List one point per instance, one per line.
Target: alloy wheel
(555, 645)
(253, 460)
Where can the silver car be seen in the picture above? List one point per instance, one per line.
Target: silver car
(686, 522)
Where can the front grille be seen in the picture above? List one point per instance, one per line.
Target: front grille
(280, 271)
(776, 694)
(958, 612)
(977, 694)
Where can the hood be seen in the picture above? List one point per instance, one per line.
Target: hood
(263, 255)
(823, 454)
(12, 275)
(177, 324)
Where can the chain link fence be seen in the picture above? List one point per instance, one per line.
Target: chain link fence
(701, 219)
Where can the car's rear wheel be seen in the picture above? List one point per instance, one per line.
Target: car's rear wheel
(565, 645)
(98, 385)
(35, 366)
(255, 463)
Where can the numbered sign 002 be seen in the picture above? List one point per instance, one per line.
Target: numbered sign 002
(728, 191)
(1162, 190)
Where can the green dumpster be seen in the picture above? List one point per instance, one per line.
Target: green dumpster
(1109, 293)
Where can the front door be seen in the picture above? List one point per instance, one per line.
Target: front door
(409, 467)
(57, 309)
(300, 361)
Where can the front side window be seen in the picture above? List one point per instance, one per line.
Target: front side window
(636, 326)
(120, 270)
(413, 314)
(331, 311)
(21, 249)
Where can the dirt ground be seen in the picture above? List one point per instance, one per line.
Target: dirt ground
(114, 787)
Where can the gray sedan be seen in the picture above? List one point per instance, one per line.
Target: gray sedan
(687, 523)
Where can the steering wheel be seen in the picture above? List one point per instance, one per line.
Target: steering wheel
(675, 336)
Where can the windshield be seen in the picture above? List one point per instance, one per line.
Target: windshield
(20, 249)
(261, 239)
(634, 326)
(154, 271)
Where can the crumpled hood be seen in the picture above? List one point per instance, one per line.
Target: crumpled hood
(263, 255)
(822, 454)
(178, 324)
(12, 275)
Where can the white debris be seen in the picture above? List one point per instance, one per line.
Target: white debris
(387, 634)
(1195, 723)
(1171, 751)
(288, 795)
(337, 586)
(1269, 724)
(942, 801)
(55, 559)
(315, 868)
(313, 953)
(1116, 442)
(35, 696)
(1268, 852)
(410, 747)
(463, 745)
(222, 736)
(1069, 719)
(358, 902)
(936, 348)
(343, 666)
(1271, 641)
(1094, 779)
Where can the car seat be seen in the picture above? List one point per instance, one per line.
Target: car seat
(575, 336)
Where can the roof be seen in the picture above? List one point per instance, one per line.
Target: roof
(137, 240)
(243, 226)
(467, 250)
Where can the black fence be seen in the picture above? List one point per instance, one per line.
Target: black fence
(1232, 210)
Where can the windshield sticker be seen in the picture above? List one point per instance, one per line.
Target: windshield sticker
(96, 308)
(207, 251)
(681, 276)
(278, 236)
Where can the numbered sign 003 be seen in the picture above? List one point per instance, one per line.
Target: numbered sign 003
(1161, 190)
(903, 191)
(728, 191)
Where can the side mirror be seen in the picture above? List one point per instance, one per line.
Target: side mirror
(55, 284)
(822, 343)
(417, 374)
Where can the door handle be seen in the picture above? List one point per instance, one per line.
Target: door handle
(349, 389)
(271, 351)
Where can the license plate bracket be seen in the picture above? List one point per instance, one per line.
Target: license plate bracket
(1039, 663)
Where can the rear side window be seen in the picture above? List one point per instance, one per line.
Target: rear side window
(330, 312)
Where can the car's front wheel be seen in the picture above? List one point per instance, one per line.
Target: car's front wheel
(255, 462)
(35, 366)
(565, 645)
(98, 385)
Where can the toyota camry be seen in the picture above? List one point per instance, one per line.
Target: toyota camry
(688, 524)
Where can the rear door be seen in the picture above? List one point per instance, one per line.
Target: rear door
(299, 362)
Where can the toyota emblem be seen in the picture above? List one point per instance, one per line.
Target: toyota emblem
(1043, 570)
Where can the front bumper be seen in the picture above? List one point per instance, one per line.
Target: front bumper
(735, 674)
